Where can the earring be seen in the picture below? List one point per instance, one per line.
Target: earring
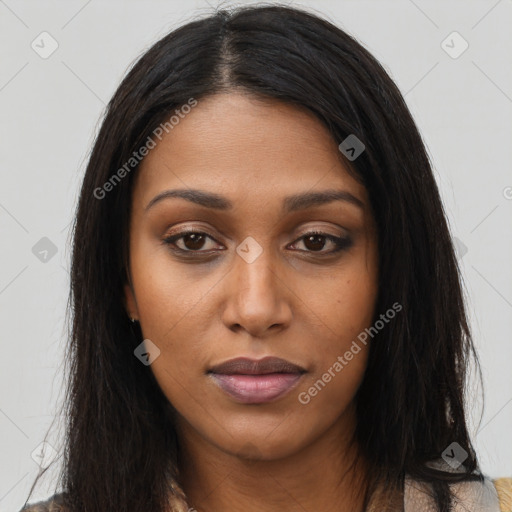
(133, 320)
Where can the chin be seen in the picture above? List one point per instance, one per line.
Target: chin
(252, 448)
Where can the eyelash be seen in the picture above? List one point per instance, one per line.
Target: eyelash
(341, 243)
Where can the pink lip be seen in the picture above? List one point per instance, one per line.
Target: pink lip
(256, 389)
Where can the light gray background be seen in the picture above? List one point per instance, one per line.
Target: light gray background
(49, 114)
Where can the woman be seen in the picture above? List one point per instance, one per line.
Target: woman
(265, 293)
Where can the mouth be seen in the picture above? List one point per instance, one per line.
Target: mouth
(251, 381)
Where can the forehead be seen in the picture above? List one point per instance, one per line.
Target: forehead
(237, 142)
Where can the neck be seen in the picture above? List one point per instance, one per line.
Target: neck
(328, 474)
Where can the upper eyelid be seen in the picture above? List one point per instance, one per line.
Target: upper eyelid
(200, 230)
(179, 235)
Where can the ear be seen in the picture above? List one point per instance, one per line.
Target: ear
(130, 303)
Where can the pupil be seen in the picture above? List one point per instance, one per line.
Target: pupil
(315, 238)
(196, 239)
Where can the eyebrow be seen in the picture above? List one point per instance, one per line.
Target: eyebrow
(290, 203)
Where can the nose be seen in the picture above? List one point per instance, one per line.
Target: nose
(258, 299)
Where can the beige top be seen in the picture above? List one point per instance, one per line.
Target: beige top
(469, 497)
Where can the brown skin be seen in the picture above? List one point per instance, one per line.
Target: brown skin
(291, 302)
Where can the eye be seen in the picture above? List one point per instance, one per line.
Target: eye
(191, 240)
(315, 241)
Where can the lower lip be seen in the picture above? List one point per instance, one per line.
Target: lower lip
(256, 389)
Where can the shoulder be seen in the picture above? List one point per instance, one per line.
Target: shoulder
(52, 504)
(504, 488)
(477, 496)
(482, 496)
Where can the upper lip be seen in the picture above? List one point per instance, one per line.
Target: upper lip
(247, 366)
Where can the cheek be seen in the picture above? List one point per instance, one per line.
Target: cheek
(342, 350)
(346, 308)
(168, 293)
(171, 303)
(343, 302)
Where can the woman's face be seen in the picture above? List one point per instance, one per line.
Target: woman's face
(251, 280)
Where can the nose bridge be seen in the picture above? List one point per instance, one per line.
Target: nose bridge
(256, 298)
(255, 270)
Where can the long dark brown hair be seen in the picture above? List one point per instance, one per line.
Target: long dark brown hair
(121, 449)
